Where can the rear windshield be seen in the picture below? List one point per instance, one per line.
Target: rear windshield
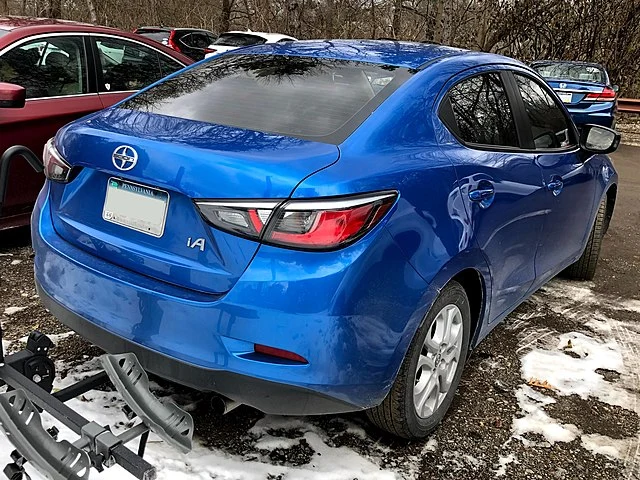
(303, 97)
(571, 71)
(161, 37)
(239, 40)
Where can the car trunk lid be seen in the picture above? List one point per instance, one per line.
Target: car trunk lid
(574, 92)
(184, 160)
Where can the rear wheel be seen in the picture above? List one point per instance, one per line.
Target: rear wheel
(585, 267)
(431, 370)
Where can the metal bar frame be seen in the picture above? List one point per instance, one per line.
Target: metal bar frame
(55, 406)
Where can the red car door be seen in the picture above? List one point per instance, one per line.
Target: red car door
(126, 66)
(54, 71)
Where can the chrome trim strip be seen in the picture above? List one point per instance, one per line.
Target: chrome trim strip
(257, 205)
(62, 96)
(40, 35)
(337, 204)
(572, 90)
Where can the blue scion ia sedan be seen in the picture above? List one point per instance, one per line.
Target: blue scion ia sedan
(323, 226)
(584, 88)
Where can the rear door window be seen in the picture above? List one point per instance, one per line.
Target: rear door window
(159, 36)
(47, 67)
(479, 112)
(550, 127)
(126, 66)
(239, 40)
(295, 96)
(196, 40)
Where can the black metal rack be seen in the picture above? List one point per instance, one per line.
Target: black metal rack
(29, 376)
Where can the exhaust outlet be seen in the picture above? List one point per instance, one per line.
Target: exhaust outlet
(223, 405)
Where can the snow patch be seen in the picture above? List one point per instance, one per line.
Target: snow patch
(577, 374)
(502, 464)
(328, 463)
(535, 419)
(16, 262)
(11, 310)
(431, 446)
(614, 448)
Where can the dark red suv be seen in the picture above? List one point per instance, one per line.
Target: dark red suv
(65, 70)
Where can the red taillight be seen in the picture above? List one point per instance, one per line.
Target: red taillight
(172, 43)
(279, 353)
(209, 50)
(606, 95)
(318, 224)
(55, 168)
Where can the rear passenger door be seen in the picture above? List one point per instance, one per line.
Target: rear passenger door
(124, 67)
(501, 185)
(567, 173)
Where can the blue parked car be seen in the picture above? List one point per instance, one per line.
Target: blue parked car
(584, 88)
(320, 227)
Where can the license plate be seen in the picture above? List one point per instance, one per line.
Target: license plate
(565, 97)
(136, 206)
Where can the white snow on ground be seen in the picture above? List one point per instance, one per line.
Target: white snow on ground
(16, 262)
(503, 462)
(328, 463)
(569, 375)
(11, 310)
(572, 364)
(535, 420)
(604, 445)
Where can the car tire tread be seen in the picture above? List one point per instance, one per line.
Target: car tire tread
(393, 414)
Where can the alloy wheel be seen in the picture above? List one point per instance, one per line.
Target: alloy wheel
(438, 361)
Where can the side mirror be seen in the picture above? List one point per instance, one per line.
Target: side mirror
(615, 88)
(598, 139)
(12, 96)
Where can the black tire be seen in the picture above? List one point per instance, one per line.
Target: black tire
(397, 414)
(585, 267)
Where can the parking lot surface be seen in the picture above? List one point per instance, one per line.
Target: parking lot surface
(553, 393)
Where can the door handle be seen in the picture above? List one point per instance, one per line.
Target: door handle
(555, 186)
(481, 194)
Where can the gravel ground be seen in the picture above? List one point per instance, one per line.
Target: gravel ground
(577, 420)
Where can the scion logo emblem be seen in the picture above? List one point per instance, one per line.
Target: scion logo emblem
(124, 158)
(563, 85)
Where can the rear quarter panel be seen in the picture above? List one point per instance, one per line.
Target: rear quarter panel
(395, 148)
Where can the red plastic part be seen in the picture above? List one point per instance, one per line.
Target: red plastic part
(607, 95)
(279, 353)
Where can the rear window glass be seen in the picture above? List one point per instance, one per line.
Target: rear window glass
(161, 37)
(239, 40)
(3, 32)
(302, 97)
(572, 72)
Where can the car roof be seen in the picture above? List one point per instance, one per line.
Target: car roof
(268, 36)
(169, 29)
(388, 52)
(20, 28)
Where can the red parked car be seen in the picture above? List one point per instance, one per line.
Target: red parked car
(64, 70)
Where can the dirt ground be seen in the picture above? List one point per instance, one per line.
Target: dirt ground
(497, 427)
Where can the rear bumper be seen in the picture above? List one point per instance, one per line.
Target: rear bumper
(598, 114)
(350, 313)
(264, 395)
